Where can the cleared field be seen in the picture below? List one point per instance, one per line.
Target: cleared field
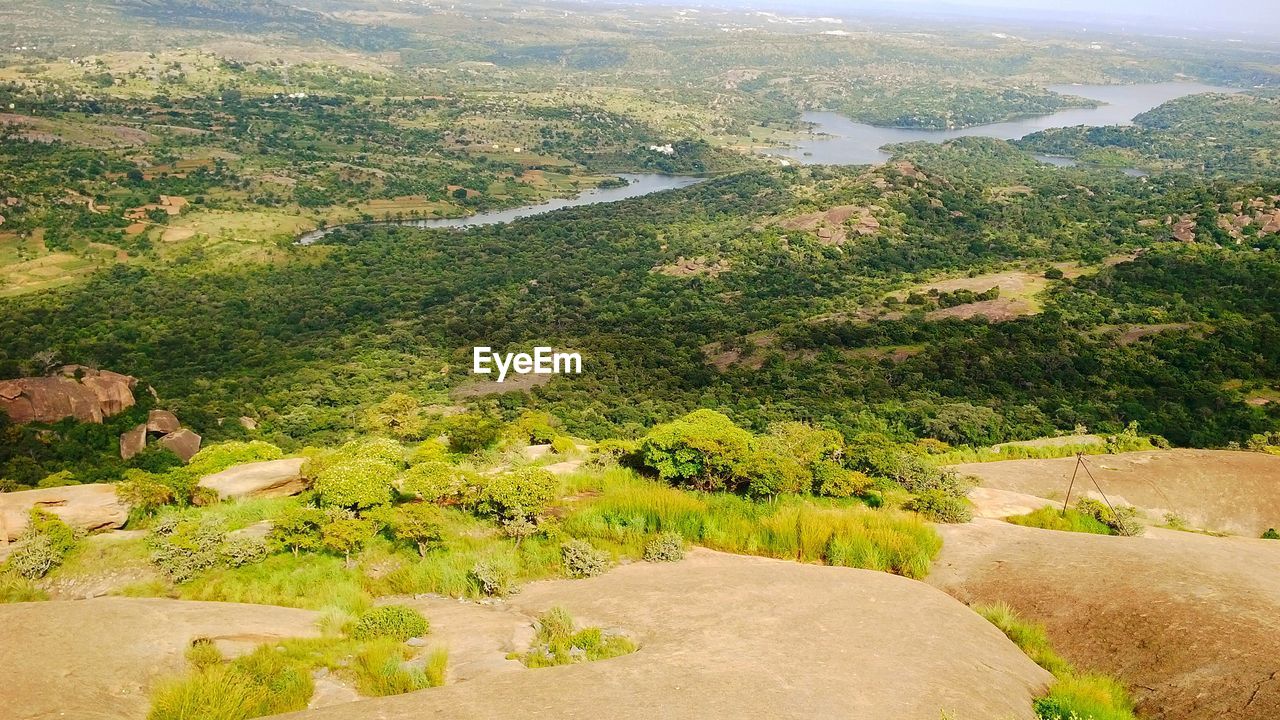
(1221, 490)
(1190, 622)
(802, 641)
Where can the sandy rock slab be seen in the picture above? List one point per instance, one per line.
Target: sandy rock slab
(1191, 623)
(85, 507)
(727, 636)
(272, 478)
(98, 659)
(85, 394)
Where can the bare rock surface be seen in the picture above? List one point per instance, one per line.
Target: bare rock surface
(727, 636)
(1190, 622)
(97, 659)
(1223, 490)
(271, 478)
(162, 421)
(84, 507)
(95, 395)
(184, 443)
(133, 441)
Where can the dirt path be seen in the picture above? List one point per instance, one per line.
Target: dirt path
(725, 636)
(96, 659)
(1227, 491)
(1190, 622)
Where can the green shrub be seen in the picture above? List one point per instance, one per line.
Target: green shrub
(769, 473)
(522, 492)
(346, 535)
(832, 479)
(557, 643)
(491, 579)
(397, 622)
(534, 427)
(216, 458)
(62, 478)
(666, 547)
(434, 450)
(265, 682)
(938, 506)
(185, 547)
(375, 448)
(43, 545)
(615, 451)
(145, 492)
(438, 482)
(562, 445)
(470, 432)
(1123, 519)
(1052, 518)
(244, 550)
(702, 450)
(1271, 534)
(581, 559)
(357, 483)
(380, 669)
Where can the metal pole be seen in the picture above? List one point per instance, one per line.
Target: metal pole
(1072, 485)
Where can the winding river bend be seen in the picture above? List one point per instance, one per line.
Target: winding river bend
(637, 185)
(837, 140)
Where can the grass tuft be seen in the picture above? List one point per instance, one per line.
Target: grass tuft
(1051, 518)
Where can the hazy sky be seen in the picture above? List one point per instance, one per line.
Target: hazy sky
(1254, 16)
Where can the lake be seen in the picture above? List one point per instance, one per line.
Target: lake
(837, 140)
(637, 184)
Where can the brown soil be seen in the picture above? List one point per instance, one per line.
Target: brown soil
(1221, 490)
(724, 636)
(1190, 622)
(97, 659)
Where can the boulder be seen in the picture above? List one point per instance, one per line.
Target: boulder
(183, 443)
(84, 507)
(248, 423)
(272, 478)
(162, 421)
(133, 441)
(93, 395)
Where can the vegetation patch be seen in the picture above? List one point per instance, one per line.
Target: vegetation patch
(1074, 695)
(557, 642)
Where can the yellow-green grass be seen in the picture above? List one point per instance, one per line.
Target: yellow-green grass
(1053, 518)
(1074, 695)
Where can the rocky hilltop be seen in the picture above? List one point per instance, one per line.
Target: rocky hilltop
(76, 391)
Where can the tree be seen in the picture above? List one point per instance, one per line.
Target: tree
(470, 432)
(400, 415)
(702, 449)
(356, 484)
(298, 529)
(345, 536)
(523, 492)
(418, 523)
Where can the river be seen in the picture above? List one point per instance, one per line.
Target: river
(637, 184)
(837, 140)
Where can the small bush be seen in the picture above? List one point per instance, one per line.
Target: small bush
(183, 548)
(941, 507)
(702, 449)
(43, 545)
(556, 642)
(1123, 520)
(144, 492)
(15, 588)
(666, 547)
(525, 491)
(437, 482)
(242, 550)
(297, 529)
(381, 670)
(1271, 534)
(418, 524)
(562, 445)
(491, 579)
(1085, 697)
(397, 622)
(216, 458)
(1052, 518)
(581, 559)
(375, 448)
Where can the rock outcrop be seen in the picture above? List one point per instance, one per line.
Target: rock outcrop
(84, 507)
(85, 394)
(162, 421)
(133, 441)
(272, 478)
(183, 443)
